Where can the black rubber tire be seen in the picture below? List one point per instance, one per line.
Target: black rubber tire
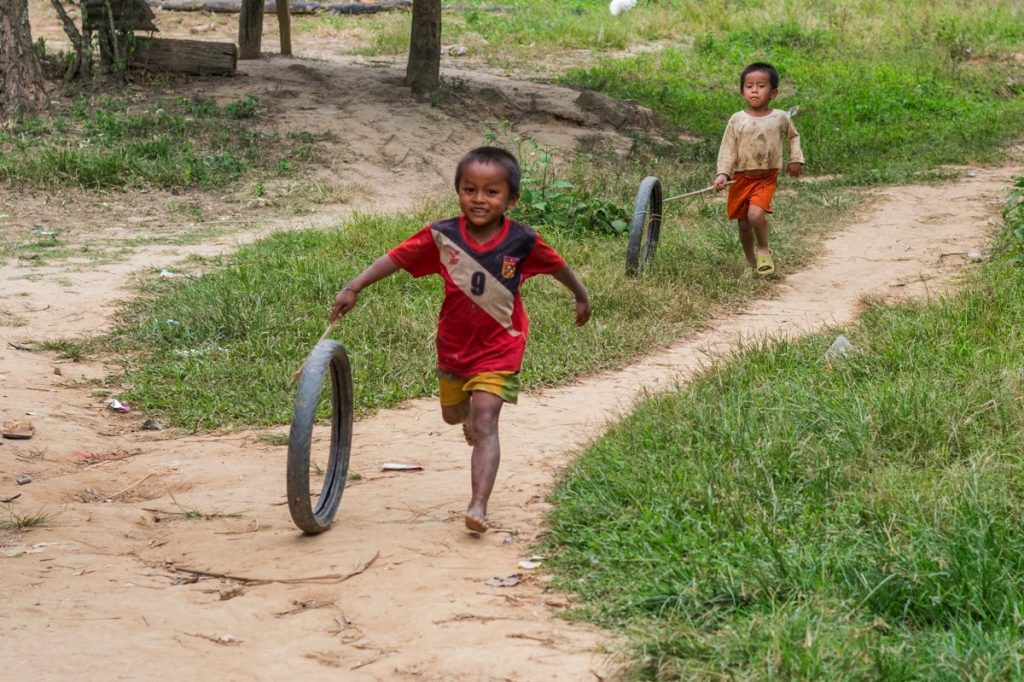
(646, 223)
(326, 357)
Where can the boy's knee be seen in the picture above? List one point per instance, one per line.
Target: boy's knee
(455, 414)
(485, 422)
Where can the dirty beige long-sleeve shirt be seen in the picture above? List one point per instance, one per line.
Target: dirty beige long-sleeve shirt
(755, 142)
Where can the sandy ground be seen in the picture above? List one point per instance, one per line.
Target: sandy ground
(168, 555)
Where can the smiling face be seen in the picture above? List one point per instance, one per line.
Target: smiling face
(758, 91)
(484, 196)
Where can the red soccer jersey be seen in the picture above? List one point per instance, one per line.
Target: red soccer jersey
(482, 326)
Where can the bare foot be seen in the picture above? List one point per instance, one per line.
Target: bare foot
(475, 523)
(468, 433)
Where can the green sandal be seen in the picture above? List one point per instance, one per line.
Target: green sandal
(765, 264)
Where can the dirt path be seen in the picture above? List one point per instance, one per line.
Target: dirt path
(109, 581)
(111, 587)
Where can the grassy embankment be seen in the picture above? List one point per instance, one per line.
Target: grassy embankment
(786, 517)
(130, 142)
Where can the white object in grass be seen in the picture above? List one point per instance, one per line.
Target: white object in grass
(617, 7)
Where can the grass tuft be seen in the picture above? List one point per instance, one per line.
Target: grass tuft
(20, 522)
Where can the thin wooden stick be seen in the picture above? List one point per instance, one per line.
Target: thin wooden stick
(122, 492)
(694, 193)
(317, 579)
(323, 336)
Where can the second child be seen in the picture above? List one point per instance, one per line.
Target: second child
(483, 257)
(750, 156)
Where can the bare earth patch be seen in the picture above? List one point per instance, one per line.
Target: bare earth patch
(167, 555)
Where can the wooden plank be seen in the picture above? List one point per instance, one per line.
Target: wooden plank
(198, 57)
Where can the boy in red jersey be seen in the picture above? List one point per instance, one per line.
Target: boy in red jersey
(483, 258)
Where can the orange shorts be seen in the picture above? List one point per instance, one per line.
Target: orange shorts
(746, 190)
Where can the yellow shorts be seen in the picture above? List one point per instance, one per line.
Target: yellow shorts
(454, 389)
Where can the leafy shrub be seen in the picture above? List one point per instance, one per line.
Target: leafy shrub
(548, 200)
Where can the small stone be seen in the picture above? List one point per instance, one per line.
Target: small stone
(56, 370)
(975, 256)
(840, 347)
(152, 425)
(24, 479)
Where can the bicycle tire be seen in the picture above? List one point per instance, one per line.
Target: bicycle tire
(327, 358)
(646, 223)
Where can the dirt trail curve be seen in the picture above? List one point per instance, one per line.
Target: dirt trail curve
(110, 589)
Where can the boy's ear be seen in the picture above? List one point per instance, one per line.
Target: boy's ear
(512, 201)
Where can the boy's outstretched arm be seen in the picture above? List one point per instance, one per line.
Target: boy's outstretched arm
(346, 298)
(568, 279)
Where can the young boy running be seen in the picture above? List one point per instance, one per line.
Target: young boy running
(483, 258)
(751, 156)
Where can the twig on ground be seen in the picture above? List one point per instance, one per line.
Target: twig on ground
(122, 492)
(223, 640)
(328, 579)
(304, 606)
(522, 635)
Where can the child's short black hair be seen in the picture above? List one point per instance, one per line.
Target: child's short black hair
(773, 75)
(496, 156)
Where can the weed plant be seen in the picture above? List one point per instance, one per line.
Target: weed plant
(1013, 214)
(789, 517)
(110, 143)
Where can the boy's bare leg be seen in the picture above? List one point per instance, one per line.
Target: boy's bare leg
(483, 418)
(747, 241)
(758, 221)
(459, 414)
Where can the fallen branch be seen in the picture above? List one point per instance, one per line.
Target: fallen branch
(329, 579)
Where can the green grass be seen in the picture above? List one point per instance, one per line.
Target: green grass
(178, 143)
(878, 112)
(786, 517)
(218, 350)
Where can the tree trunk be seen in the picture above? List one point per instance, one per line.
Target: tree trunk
(424, 70)
(250, 29)
(21, 76)
(284, 25)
